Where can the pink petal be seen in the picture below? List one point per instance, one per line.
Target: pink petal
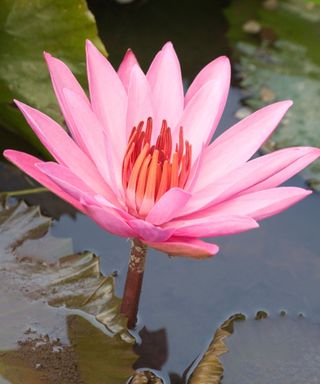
(108, 97)
(64, 149)
(148, 232)
(240, 142)
(27, 164)
(124, 71)
(67, 181)
(216, 225)
(168, 206)
(164, 76)
(139, 99)
(203, 112)
(62, 77)
(260, 205)
(109, 220)
(121, 211)
(286, 173)
(184, 246)
(212, 71)
(261, 173)
(113, 170)
(92, 134)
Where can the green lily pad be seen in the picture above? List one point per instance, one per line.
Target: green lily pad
(27, 28)
(74, 280)
(280, 349)
(281, 60)
(90, 357)
(45, 287)
(99, 358)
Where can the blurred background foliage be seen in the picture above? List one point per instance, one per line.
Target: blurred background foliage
(274, 45)
(27, 29)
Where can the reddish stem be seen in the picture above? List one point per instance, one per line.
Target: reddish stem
(132, 289)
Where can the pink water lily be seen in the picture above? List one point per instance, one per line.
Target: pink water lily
(139, 161)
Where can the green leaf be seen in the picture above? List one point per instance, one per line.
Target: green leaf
(209, 369)
(37, 269)
(280, 61)
(27, 28)
(262, 350)
(100, 358)
(90, 357)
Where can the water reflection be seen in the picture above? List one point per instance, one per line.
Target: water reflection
(152, 349)
(279, 350)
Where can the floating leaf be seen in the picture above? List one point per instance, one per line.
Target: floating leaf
(74, 281)
(281, 61)
(100, 359)
(39, 359)
(145, 377)
(27, 28)
(91, 357)
(210, 369)
(33, 272)
(263, 349)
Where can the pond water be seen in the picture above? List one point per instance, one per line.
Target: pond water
(274, 268)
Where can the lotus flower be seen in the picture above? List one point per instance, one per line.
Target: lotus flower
(139, 161)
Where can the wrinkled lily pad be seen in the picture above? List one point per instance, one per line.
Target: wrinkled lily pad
(209, 369)
(281, 61)
(27, 28)
(34, 273)
(261, 350)
(74, 281)
(99, 357)
(90, 357)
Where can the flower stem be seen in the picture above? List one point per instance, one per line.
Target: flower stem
(132, 289)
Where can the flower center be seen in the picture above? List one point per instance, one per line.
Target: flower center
(148, 171)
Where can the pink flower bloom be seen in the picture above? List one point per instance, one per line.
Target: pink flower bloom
(139, 159)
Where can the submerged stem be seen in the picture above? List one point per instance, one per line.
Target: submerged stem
(22, 192)
(132, 289)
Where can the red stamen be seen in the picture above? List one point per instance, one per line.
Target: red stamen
(174, 170)
(149, 171)
(141, 187)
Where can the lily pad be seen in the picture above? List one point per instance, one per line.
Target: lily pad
(36, 270)
(265, 349)
(281, 61)
(74, 280)
(209, 369)
(27, 28)
(90, 357)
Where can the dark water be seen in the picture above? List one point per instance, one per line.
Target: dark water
(183, 301)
